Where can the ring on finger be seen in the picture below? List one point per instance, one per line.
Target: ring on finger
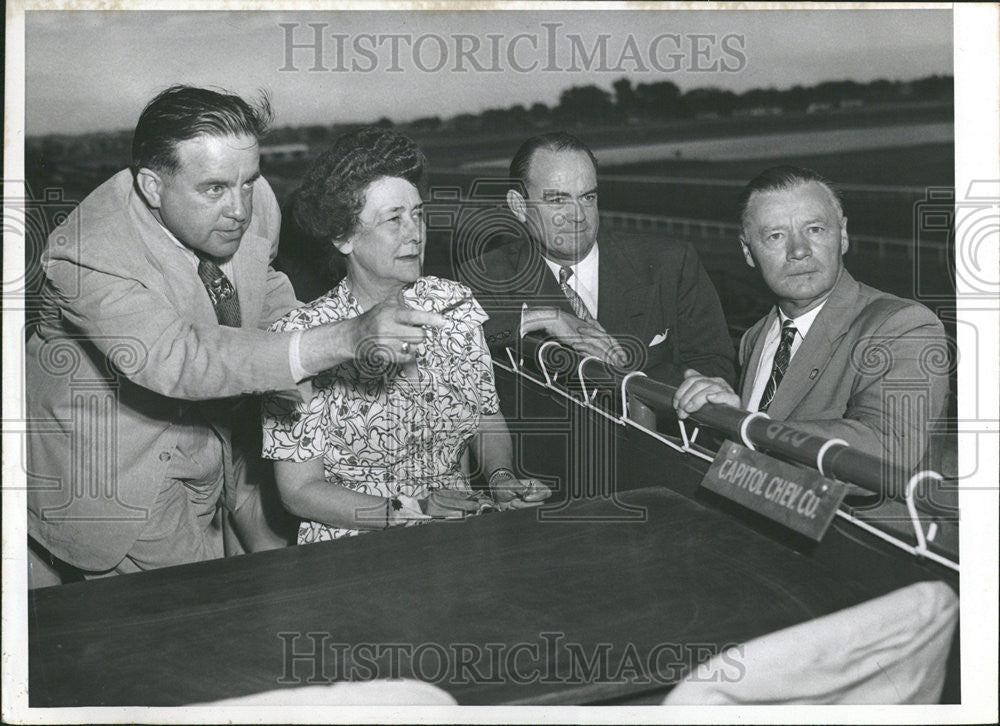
(405, 347)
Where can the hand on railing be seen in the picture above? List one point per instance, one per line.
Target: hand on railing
(583, 336)
(697, 390)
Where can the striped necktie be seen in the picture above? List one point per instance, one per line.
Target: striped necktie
(575, 301)
(221, 292)
(781, 358)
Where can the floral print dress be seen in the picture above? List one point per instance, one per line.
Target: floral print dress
(385, 433)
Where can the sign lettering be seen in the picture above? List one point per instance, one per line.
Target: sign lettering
(796, 497)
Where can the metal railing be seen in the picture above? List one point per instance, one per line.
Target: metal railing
(578, 379)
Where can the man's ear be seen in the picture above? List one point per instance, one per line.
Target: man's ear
(149, 183)
(344, 246)
(517, 205)
(746, 251)
(845, 242)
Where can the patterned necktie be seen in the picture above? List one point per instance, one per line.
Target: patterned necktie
(221, 292)
(781, 358)
(575, 301)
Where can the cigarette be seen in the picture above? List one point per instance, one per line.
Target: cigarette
(456, 304)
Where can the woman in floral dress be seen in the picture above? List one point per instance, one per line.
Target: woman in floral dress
(374, 440)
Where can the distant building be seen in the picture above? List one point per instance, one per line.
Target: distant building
(760, 111)
(284, 152)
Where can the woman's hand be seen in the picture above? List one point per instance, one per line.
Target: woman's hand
(509, 492)
(408, 514)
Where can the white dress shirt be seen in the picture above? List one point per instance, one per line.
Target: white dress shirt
(584, 277)
(299, 374)
(802, 325)
(583, 281)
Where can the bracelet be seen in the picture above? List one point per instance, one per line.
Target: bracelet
(500, 474)
(391, 503)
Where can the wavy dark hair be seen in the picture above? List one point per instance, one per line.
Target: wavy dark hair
(183, 112)
(332, 194)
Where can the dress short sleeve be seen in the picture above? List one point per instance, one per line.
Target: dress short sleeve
(483, 365)
(294, 431)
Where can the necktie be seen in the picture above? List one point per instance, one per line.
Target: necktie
(575, 301)
(221, 292)
(781, 358)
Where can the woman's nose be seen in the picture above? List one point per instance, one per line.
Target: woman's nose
(412, 228)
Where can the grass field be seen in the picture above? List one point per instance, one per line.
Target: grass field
(925, 165)
(451, 149)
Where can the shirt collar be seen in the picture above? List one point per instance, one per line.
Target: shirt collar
(582, 269)
(804, 321)
(190, 253)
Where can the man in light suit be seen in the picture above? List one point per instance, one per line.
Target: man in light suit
(158, 290)
(837, 358)
(644, 304)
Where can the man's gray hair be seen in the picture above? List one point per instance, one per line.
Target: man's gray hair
(783, 178)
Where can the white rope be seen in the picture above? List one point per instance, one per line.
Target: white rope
(540, 356)
(743, 428)
(685, 447)
(911, 505)
(898, 543)
(583, 383)
(510, 357)
(822, 452)
(625, 381)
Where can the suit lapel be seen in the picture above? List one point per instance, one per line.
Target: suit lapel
(620, 296)
(180, 281)
(816, 350)
(539, 282)
(755, 339)
(249, 281)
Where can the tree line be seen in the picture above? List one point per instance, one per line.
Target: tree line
(578, 106)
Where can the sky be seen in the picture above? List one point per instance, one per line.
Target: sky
(95, 70)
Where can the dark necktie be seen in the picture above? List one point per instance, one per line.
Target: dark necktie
(575, 301)
(221, 292)
(781, 358)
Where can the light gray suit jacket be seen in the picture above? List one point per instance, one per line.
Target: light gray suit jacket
(128, 342)
(873, 370)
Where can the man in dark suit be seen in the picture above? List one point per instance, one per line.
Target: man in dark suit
(835, 357)
(638, 303)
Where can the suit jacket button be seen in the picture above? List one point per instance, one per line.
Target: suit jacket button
(164, 456)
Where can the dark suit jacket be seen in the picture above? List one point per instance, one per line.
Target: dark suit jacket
(645, 288)
(873, 370)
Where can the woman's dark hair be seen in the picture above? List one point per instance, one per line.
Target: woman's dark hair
(331, 197)
(183, 112)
